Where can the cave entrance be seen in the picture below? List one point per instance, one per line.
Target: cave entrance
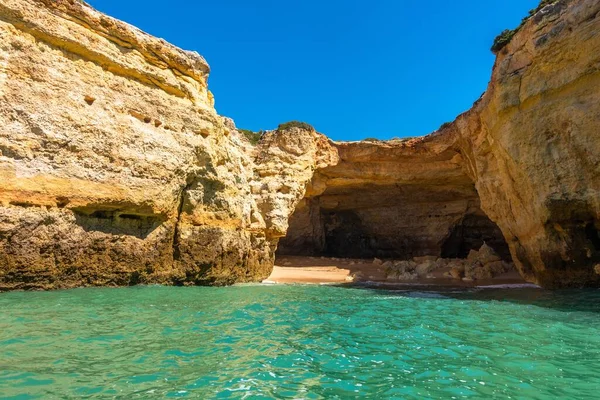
(593, 235)
(471, 233)
(393, 231)
(315, 231)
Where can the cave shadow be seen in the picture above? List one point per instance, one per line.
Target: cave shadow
(344, 234)
(470, 233)
(116, 223)
(565, 300)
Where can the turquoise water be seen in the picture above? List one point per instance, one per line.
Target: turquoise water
(299, 342)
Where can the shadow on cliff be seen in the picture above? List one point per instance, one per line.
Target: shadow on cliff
(115, 223)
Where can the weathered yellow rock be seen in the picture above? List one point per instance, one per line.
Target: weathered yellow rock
(285, 165)
(531, 145)
(115, 167)
(392, 200)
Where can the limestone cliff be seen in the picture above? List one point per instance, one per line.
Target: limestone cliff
(527, 155)
(531, 145)
(391, 200)
(116, 168)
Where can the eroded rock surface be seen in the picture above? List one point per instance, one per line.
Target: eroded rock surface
(526, 156)
(285, 164)
(482, 264)
(531, 145)
(392, 200)
(115, 167)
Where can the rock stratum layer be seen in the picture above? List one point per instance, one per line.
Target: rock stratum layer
(115, 167)
(532, 145)
(117, 170)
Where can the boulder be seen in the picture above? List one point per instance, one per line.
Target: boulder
(407, 276)
(473, 255)
(487, 255)
(477, 271)
(425, 268)
(424, 259)
(497, 268)
(457, 272)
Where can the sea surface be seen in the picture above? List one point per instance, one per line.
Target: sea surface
(300, 342)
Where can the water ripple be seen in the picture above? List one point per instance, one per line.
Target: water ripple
(307, 342)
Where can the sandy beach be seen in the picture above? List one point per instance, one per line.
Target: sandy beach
(327, 270)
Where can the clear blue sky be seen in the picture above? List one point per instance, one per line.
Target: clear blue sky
(353, 69)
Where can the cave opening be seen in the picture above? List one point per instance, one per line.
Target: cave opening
(393, 202)
(471, 233)
(389, 231)
(593, 235)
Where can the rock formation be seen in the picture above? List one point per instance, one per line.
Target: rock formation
(285, 163)
(527, 155)
(392, 200)
(480, 264)
(531, 145)
(117, 170)
(115, 167)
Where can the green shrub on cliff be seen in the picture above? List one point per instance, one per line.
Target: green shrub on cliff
(371, 139)
(506, 35)
(253, 137)
(295, 124)
(503, 39)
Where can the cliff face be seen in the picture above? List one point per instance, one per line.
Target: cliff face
(392, 200)
(116, 168)
(527, 155)
(531, 145)
(284, 166)
(107, 135)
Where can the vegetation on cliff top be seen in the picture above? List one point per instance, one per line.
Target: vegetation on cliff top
(253, 137)
(295, 124)
(506, 35)
(394, 139)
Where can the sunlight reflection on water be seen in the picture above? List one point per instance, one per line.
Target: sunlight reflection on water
(300, 342)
